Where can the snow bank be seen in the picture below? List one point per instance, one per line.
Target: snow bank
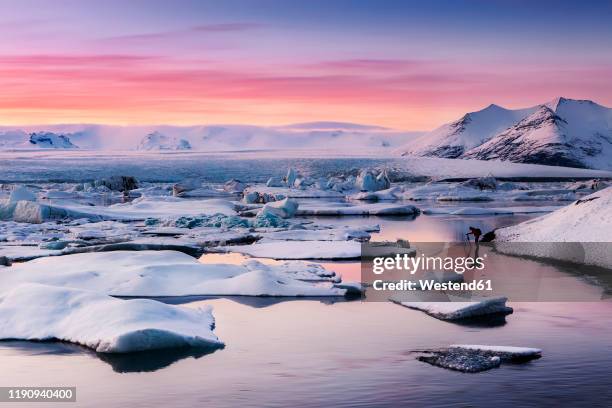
(461, 310)
(586, 222)
(101, 322)
(165, 273)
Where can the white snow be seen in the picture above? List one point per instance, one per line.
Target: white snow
(458, 168)
(159, 141)
(101, 322)
(218, 138)
(165, 273)
(50, 140)
(460, 310)
(586, 222)
(576, 133)
(455, 138)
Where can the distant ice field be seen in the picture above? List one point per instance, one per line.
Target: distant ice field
(251, 166)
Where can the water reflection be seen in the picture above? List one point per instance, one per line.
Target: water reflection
(144, 361)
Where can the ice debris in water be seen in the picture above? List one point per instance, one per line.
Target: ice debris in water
(476, 358)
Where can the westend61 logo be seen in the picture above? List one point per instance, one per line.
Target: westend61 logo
(412, 264)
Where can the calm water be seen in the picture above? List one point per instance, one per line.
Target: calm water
(323, 353)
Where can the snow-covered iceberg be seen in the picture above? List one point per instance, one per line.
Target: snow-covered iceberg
(101, 322)
(168, 273)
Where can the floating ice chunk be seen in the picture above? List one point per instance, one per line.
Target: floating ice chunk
(278, 193)
(267, 219)
(291, 177)
(31, 212)
(101, 322)
(461, 310)
(186, 185)
(20, 193)
(118, 183)
(275, 182)
(477, 358)
(285, 208)
(234, 186)
(369, 181)
(389, 194)
(165, 273)
(299, 249)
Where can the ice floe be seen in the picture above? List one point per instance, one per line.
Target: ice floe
(168, 273)
(101, 322)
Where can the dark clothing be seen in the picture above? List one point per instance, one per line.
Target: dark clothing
(476, 232)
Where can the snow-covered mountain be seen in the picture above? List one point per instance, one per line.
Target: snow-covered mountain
(563, 132)
(344, 137)
(159, 141)
(454, 139)
(50, 140)
(19, 139)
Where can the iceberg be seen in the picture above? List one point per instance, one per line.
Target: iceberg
(166, 273)
(100, 322)
(284, 208)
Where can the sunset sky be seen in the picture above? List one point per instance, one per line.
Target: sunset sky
(401, 64)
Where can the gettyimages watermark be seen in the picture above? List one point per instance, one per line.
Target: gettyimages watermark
(463, 271)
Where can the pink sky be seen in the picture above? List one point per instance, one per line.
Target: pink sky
(123, 66)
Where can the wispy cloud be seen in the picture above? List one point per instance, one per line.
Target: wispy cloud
(208, 29)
